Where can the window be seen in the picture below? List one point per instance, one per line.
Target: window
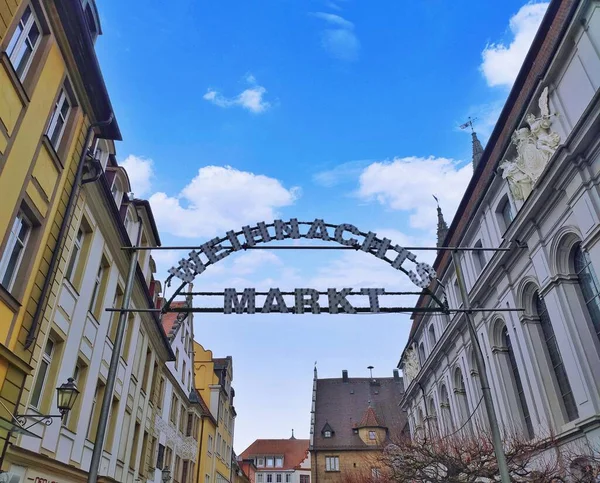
(125, 436)
(518, 384)
(210, 444)
(279, 462)
(59, 119)
(446, 411)
(79, 375)
(375, 473)
(332, 463)
(176, 469)
(176, 358)
(134, 446)
(99, 289)
(270, 462)
(142, 467)
(304, 478)
(478, 257)
(168, 456)
(278, 478)
(14, 251)
(160, 457)
(190, 424)
(505, 212)
(327, 434)
(24, 43)
(206, 478)
(173, 413)
(112, 424)
(288, 478)
(422, 356)
(553, 352)
(259, 478)
(183, 372)
(260, 462)
(42, 375)
(95, 411)
(269, 478)
(461, 397)
(372, 435)
(588, 282)
(77, 245)
(432, 338)
(146, 376)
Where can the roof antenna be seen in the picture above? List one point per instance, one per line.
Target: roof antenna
(371, 370)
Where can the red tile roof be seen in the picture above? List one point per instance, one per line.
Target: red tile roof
(294, 451)
(168, 320)
(369, 419)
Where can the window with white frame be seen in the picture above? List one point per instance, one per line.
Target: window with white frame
(259, 478)
(24, 42)
(270, 462)
(288, 478)
(327, 434)
(210, 444)
(372, 435)
(478, 257)
(279, 462)
(260, 462)
(42, 375)
(278, 478)
(505, 213)
(59, 119)
(332, 463)
(74, 260)
(269, 478)
(14, 251)
(304, 478)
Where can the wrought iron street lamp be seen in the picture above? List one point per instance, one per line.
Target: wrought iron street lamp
(166, 475)
(66, 395)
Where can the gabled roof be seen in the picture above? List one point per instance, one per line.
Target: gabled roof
(327, 427)
(342, 405)
(294, 451)
(369, 420)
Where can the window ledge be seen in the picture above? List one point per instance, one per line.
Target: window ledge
(9, 299)
(14, 78)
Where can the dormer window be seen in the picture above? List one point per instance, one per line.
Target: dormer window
(327, 434)
(279, 462)
(327, 431)
(372, 435)
(260, 462)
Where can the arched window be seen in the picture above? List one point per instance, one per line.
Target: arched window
(432, 414)
(422, 357)
(478, 257)
(516, 380)
(432, 338)
(588, 282)
(420, 423)
(446, 412)
(461, 398)
(553, 352)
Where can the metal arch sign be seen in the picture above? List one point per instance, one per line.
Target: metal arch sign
(345, 234)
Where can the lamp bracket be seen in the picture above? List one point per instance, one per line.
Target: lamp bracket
(23, 419)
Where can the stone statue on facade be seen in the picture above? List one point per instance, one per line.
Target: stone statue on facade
(411, 365)
(535, 146)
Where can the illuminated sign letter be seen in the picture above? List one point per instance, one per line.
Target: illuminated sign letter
(339, 298)
(184, 271)
(210, 249)
(373, 297)
(302, 302)
(286, 230)
(425, 276)
(318, 230)
(339, 234)
(274, 302)
(232, 301)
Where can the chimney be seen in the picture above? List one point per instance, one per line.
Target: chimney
(396, 375)
(345, 375)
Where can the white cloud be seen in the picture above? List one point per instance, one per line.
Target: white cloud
(406, 184)
(140, 172)
(219, 199)
(501, 63)
(340, 174)
(340, 41)
(247, 263)
(251, 98)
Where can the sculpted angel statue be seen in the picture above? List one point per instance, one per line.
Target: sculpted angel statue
(535, 146)
(411, 364)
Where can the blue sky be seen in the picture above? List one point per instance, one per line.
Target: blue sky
(346, 110)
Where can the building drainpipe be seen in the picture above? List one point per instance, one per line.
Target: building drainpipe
(49, 280)
(200, 450)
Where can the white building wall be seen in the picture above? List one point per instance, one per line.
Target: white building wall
(564, 207)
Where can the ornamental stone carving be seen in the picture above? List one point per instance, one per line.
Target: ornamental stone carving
(411, 365)
(535, 146)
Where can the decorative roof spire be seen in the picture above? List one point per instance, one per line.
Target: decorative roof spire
(442, 226)
(477, 147)
(293, 437)
(477, 150)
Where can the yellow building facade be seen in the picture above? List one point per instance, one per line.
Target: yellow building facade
(213, 377)
(51, 93)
